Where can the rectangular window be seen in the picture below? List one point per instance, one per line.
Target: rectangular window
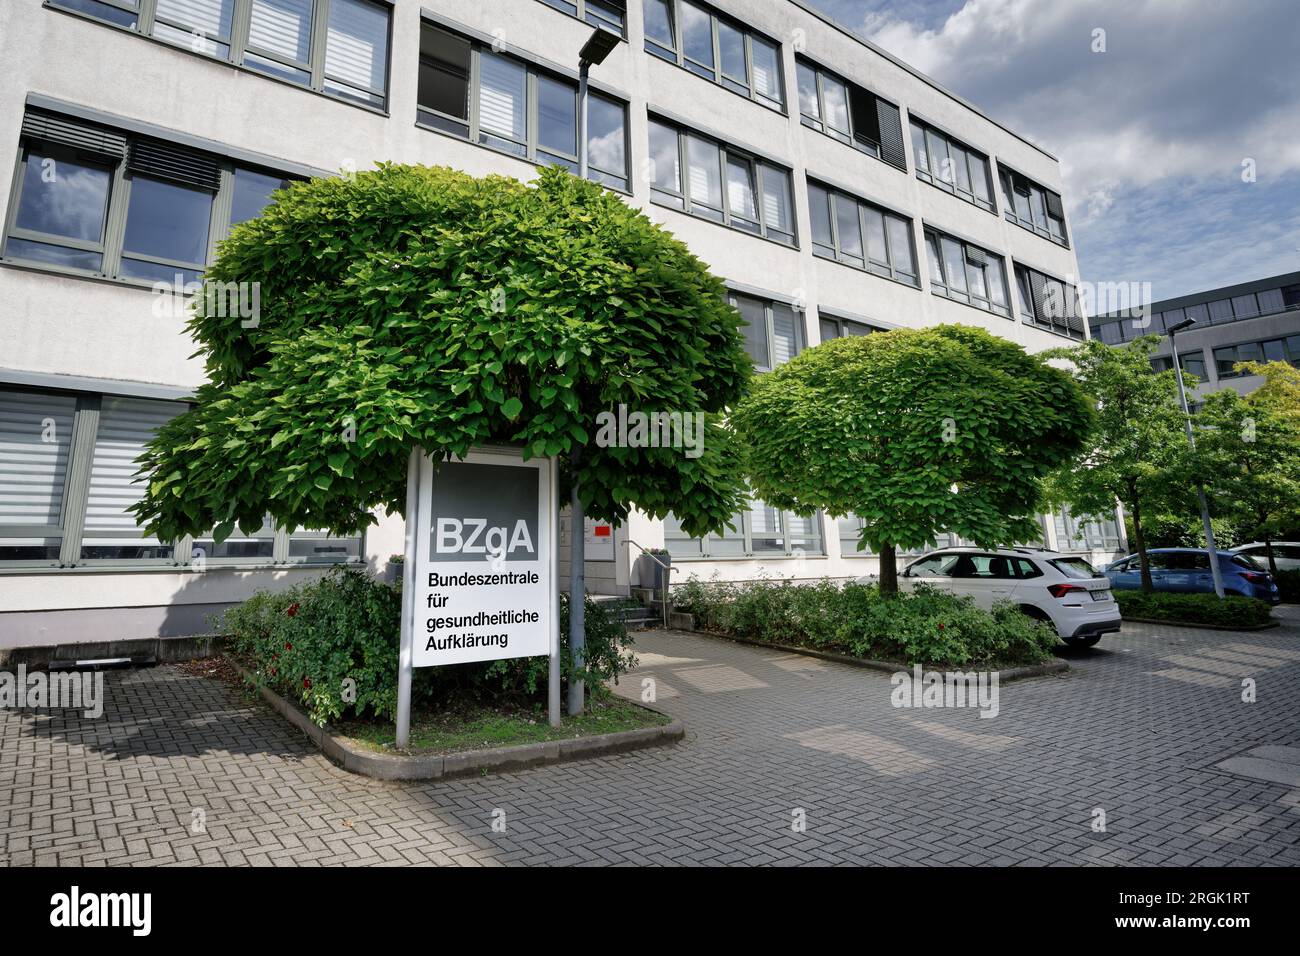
(951, 166)
(68, 481)
(710, 45)
(1049, 303)
(967, 273)
(758, 530)
(1033, 207)
(850, 113)
(97, 202)
(1271, 350)
(754, 199)
(772, 335)
(1073, 534)
(862, 235)
(608, 14)
(336, 47)
(468, 90)
(833, 327)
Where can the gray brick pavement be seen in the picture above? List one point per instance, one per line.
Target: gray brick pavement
(1135, 730)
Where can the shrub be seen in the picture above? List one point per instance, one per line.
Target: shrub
(1288, 585)
(306, 642)
(926, 626)
(1231, 611)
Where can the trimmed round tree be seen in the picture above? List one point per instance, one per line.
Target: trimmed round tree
(916, 432)
(420, 306)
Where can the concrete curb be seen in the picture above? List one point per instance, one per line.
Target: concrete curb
(165, 650)
(1204, 627)
(382, 766)
(1057, 666)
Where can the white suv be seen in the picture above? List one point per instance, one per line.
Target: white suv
(1061, 588)
(1286, 554)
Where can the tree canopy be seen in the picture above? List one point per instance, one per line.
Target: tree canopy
(1139, 439)
(421, 306)
(916, 432)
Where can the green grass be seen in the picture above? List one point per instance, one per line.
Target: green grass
(476, 726)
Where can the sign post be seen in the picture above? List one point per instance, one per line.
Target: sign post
(480, 570)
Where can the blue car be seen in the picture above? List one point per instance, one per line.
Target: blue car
(1187, 570)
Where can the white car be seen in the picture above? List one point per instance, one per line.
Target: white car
(1285, 553)
(1061, 588)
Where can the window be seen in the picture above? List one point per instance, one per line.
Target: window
(67, 484)
(850, 114)
(1033, 207)
(1075, 535)
(497, 101)
(336, 47)
(97, 202)
(966, 273)
(756, 197)
(772, 333)
(760, 530)
(850, 527)
(1048, 303)
(1192, 362)
(856, 233)
(609, 14)
(709, 45)
(1272, 350)
(832, 327)
(951, 166)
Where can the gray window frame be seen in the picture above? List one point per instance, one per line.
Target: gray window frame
(841, 325)
(239, 45)
(1007, 181)
(886, 270)
(1291, 354)
(681, 547)
(119, 199)
(532, 131)
(595, 21)
(769, 325)
(677, 55)
(1028, 309)
(681, 198)
(924, 173)
(945, 289)
(821, 125)
(70, 529)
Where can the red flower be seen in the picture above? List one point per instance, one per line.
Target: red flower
(288, 646)
(941, 627)
(292, 610)
(272, 671)
(306, 683)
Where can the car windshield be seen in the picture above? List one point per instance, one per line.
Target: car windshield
(1075, 568)
(1250, 562)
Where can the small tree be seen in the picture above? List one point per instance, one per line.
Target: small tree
(1248, 457)
(1138, 440)
(418, 306)
(914, 431)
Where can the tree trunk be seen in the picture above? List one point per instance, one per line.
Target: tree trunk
(1272, 562)
(577, 585)
(1140, 542)
(888, 571)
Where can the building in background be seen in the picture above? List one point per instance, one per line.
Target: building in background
(1252, 322)
(837, 190)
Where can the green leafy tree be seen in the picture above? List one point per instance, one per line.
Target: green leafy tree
(419, 306)
(1138, 441)
(1248, 457)
(915, 431)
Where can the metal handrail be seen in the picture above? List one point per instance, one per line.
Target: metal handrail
(667, 567)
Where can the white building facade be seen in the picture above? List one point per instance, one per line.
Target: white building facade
(835, 189)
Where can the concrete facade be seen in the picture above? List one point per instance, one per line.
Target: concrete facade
(82, 335)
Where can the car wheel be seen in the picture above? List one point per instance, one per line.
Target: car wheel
(1088, 641)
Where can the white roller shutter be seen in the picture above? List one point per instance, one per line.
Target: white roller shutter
(282, 27)
(356, 49)
(35, 441)
(125, 425)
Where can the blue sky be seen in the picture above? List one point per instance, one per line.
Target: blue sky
(1151, 133)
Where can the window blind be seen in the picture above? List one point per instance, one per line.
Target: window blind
(356, 47)
(166, 161)
(209, 17)
(282, 27)
(35, 441)
(502, 95)
(125, 425)
(56, 129)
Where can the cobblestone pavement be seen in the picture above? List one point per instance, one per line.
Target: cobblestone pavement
(1134, 730)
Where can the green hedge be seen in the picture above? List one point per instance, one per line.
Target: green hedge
(1230, 611)
(1288, 585)
(924, 627)
(308, 642)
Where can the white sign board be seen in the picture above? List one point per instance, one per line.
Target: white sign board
(484, 584)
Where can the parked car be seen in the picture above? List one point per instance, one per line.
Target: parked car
(1187, 571)
(1286, 554)
(1062, 589)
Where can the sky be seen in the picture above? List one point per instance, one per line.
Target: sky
(1152, 132)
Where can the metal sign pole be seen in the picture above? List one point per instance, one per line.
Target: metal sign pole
(408, 599)
(553, 677)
